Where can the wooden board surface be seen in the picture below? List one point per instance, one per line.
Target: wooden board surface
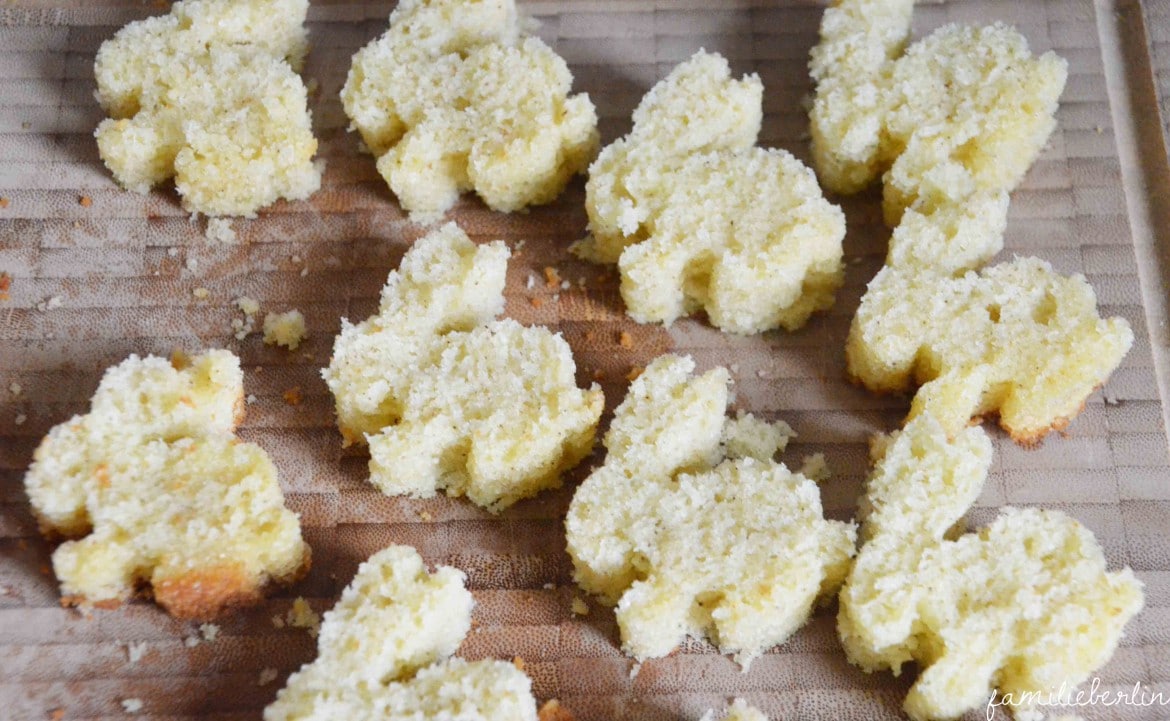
(125, 267)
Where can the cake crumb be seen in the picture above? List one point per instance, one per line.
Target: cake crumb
(192, 264)
(4, 202)
(579, 607)
(815, 468)
(20, 419)
(201, 293)
(286, 329)
(551, 277)
(220, 229)
(518, 663)
(625, 340)
(425, 516)
(277, 622)
(131, 705)
(565, 285)
(85, 201)
(293, 396)
(552, 710)
(531, 282)
(191, 641)
(635, 371)
(5, 285)
(15, 389)
(302, 615)
(549, 586)
(135, 651)
(51, 303)
(173, 252)
(267, 676)
(536, 302)
(634, 670)
(209, 631)
(57, 714)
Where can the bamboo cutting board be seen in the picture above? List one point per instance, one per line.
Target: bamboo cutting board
(123, 269)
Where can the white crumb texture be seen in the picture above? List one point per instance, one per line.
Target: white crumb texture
(689, 537)
(209, 94)
(454, 97)
(286, 329)
(1023, 605)
(220, 229)
(385, 652)
(698, 218)
(739, 710)
(153, 485)
(951, 124)
(448, 398)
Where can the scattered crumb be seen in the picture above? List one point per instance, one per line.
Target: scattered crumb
(20, 419)
(5, 285)
(293, 396)
(243, 327)
(531, 283)
(518, 663)
(635, 371)
(551, 277)
(267, 676)
(425, 516)
(634, 670)
(209, 631)
(191, 641)
(131, 705)
(815, 468)
(565, 285)
(201, 293)
(85, 201)
(760, 373)
(135, 651)
(192, 264)
(556, 297)
(296, 259)
(536, 302)
(50, 303)
(304, 272)
(549, 586)
(625, 340)
(4, 202)
(579, 607)
(172, 251)
(57, 714)
(250, 399)
(302, 615)
(520, 244)
(277, 622)
(286, 329)
(14, 388)
(552, 710)
(220, 229)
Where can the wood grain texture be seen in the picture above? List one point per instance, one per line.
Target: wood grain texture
(125, 268)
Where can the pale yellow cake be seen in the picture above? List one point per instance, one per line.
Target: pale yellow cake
(384, 652)
(209, 95)
(966, 110)
(1025, 604)
(698, 218)
(449, 398)
(951, 124)
(155, 490)
(691, 528)
(455, 97)
(1016, 339)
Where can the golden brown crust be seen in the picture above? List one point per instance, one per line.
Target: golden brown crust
(205, 593)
